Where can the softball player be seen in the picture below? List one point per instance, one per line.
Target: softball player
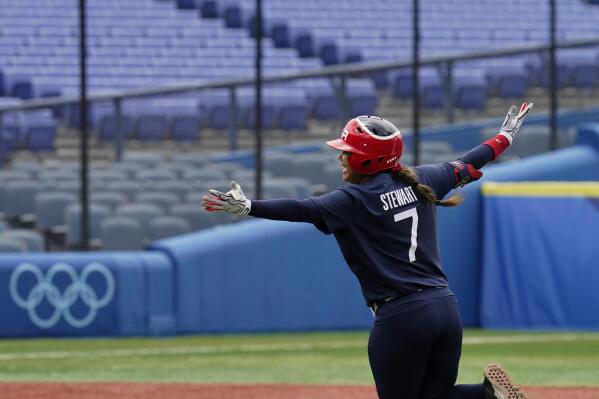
(385, 223)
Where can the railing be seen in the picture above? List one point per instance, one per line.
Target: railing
(338, 74)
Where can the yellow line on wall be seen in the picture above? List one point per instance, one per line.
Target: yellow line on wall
(542, 189)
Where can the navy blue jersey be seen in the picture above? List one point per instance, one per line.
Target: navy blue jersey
(387, 233)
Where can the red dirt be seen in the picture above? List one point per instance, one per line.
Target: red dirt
(228, 391)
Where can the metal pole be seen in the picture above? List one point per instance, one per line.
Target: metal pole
(2, 142)
(552, 76)
(342, 96)
(120, 134)
(258, 183)
(415, 80)
(233, 121)
(84, 245)
(449, 100)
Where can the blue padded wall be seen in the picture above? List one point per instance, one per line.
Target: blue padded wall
(86, 294)
(262, 275)
(540, 256)
(460, 229)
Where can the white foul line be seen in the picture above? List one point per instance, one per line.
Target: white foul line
(212, 349)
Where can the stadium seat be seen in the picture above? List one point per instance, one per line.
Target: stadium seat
(179, 188)
(97, 213)
(107, 174)
(361, 96)
(12, 245)
(143, 213)
(129, 188)
(20, 201)
(109, 199)
(50, 210)
(107, 127)
(324, 104)
(310, 166)
(40, 138)
(121, 234)
(32, 240)
(278, 163)
(470, 92)
(168, 226)
(150, 127)
(154, 175)
(196, 217)
(205, 173)
(508, 81)
(161, 198)
(185, 127)
(147, 159)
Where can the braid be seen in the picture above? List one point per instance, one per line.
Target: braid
(408, 176)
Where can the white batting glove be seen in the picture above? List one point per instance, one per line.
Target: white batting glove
(512, 122)
(233, 201)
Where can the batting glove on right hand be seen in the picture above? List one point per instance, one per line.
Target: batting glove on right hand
(512, 122)
(233, 201)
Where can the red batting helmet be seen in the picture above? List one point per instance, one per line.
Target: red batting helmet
(375, 144)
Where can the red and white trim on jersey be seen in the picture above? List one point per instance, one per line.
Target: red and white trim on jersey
(498, 144)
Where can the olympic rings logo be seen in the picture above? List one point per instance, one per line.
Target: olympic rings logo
(62, 301)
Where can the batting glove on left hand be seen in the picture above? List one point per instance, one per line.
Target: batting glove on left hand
(513, 121)
(233, 201)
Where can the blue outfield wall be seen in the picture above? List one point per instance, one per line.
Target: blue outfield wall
(86, 294)
(460, 229)
(540, 255)
(262, 275)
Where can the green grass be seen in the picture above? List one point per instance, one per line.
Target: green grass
(555, 359)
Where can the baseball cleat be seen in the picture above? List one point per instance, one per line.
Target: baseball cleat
(499, 385)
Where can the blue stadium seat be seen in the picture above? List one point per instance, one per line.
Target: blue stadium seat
(150, 127)
(508, 81)
(432, 96)
(362, 96)
(470, 92)
(323, 100)
(107, 127)
(40, 138)
(185, 127)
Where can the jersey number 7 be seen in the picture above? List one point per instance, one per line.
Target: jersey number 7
(410, 213)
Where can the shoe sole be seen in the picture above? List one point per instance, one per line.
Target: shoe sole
(502, 383)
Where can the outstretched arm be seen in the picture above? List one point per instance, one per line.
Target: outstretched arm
(466, 167)
(446, 176)
(235, 202)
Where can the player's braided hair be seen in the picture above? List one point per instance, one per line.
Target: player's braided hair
(408, 176)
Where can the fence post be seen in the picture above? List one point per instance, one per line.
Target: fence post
(233, 122)
(2, 141)
(341, 89)
(446, 70)
(119, 137)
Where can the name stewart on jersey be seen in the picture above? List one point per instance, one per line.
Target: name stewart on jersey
(397, 198)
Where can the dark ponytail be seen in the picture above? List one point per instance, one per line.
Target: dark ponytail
(408, 176)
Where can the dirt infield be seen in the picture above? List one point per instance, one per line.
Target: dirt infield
(220, 391)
